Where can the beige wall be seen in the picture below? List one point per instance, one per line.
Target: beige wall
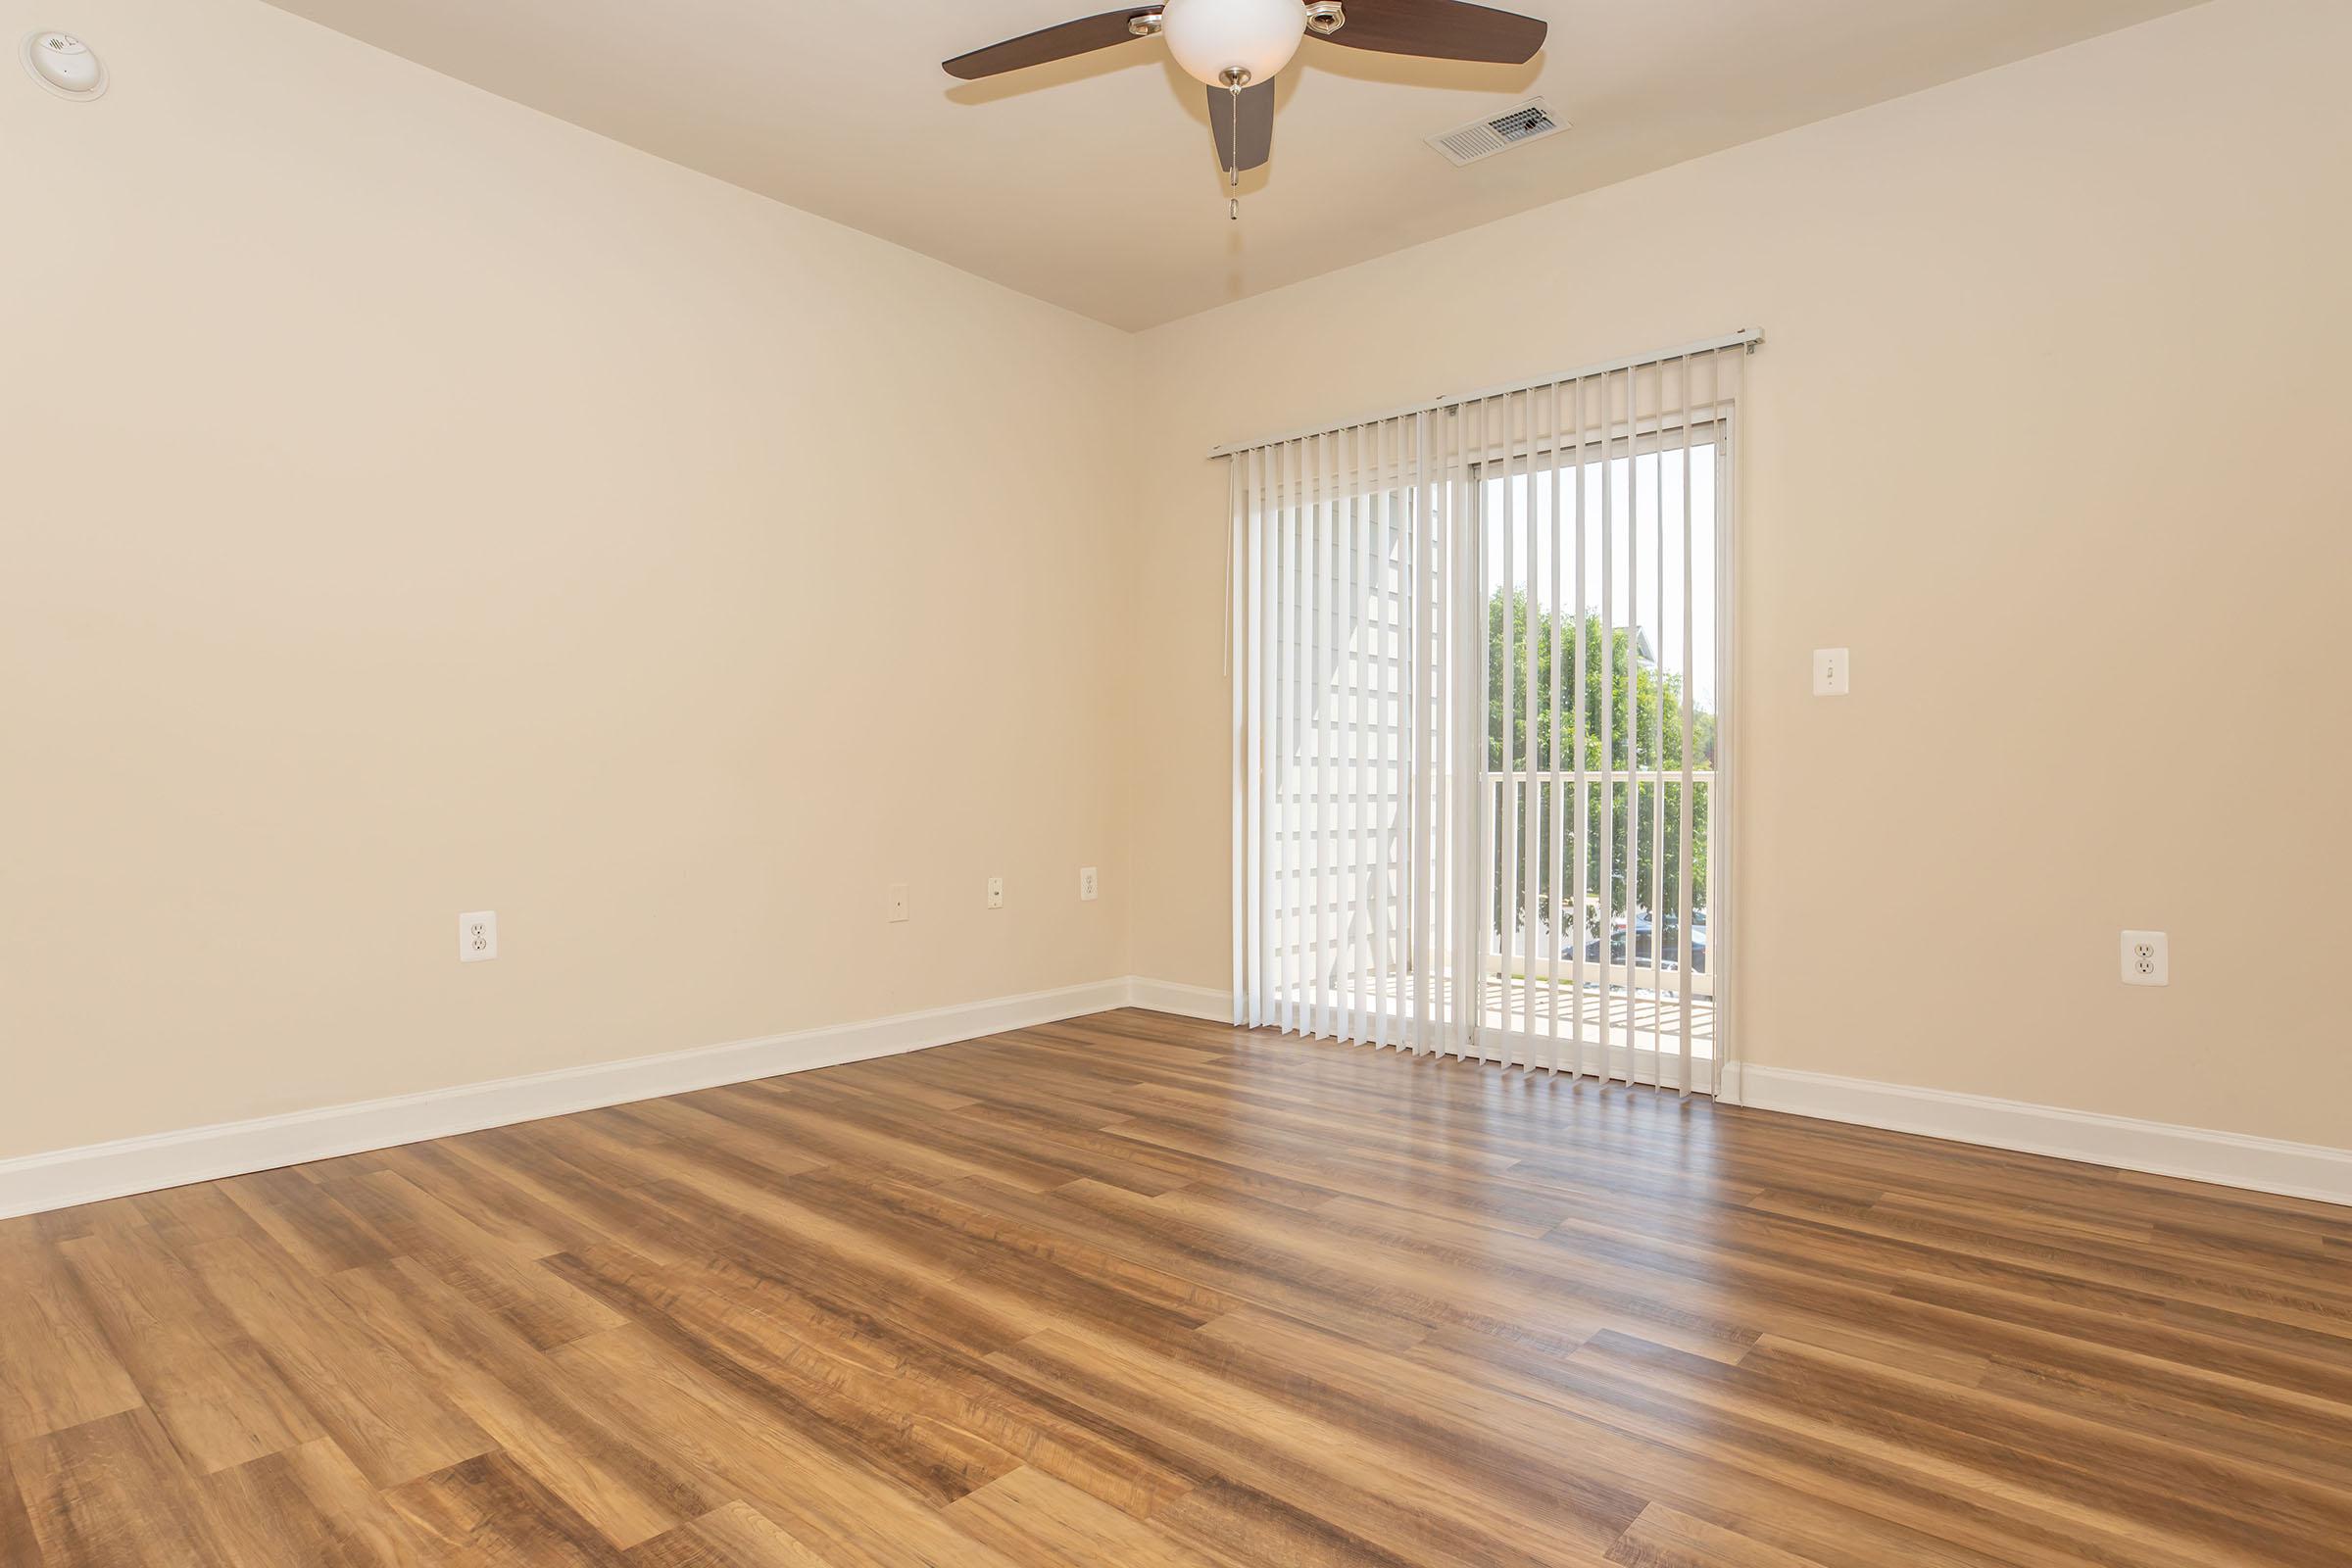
(417, 505)
(2050, 432)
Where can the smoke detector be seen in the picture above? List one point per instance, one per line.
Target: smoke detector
(1482, 138)
(64, 65)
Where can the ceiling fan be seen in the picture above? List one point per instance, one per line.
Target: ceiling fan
(1237, 47)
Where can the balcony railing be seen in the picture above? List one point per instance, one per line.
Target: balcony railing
(1535, 1001)
(1639, 976)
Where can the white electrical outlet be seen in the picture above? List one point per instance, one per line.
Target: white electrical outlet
(1831, 672)
(477, 936)
(2147, 959)
(996, 893)
(898, 901)
(1087, 887)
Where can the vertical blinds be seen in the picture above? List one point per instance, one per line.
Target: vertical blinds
(1477, 763)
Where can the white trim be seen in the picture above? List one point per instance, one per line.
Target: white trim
(2160, 1149)
(1185, 1002)
(62, 1178)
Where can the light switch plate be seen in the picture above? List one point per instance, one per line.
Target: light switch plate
(1831, 672)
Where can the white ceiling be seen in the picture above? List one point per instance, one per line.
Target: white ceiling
(1094, 183)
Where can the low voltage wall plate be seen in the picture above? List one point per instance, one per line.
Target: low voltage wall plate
(64, 65)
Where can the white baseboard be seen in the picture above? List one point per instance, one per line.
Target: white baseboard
(1186, 1002)
(2160, 1149)
(60, 1179)
(34, 1183)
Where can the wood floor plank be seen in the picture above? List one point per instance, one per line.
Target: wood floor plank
(186, 1217)
(560, 1180)
(1140, 1290)
(309, 1506)
(846, 1509)
(113, 1494)
(1028, 1516)
(1665, 1539)
(2026, 1449)
(490, 1512)
(1817, 1276)
(736, 1535)
(216, 1394)
(60, 1370)
(907, 1430)
(1302, 1466)
(1875, 1454)
(18, 1548)
(926, 1411)
(493, 1204)
(541, 1423)
(504, 1280)
(378, 1408)
(304, 1218)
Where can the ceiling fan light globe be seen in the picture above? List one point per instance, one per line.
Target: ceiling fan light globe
(1210, 37)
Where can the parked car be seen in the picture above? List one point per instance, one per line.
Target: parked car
(1644, 933)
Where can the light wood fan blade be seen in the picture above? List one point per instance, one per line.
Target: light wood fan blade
(1080, 37)
(1257, 125)
(1439, 29)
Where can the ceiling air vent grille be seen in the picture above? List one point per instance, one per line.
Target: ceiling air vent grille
(1483, 138)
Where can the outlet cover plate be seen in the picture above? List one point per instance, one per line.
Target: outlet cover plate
(2147, 959)
(477, 936)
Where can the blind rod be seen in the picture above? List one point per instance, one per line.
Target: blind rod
(1751, 339)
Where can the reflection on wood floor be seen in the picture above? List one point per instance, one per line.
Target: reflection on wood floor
(1534, 1003)
(1550, 1010)
(1140, 1292)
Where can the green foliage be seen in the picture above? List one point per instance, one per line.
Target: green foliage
(1547, 727)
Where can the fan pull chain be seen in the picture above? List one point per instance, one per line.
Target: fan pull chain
(1233, 204)
(1235, 92)
(1236, 79)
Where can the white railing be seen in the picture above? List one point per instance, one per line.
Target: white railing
(1529, 951)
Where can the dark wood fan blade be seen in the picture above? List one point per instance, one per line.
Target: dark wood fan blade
(1257, 125)
(1441, 30)
(1080, 37)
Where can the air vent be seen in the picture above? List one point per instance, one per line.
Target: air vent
(1483, 138)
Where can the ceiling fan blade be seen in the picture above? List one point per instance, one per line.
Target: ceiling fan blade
(1439, 29)
(1080, 37)
(1257, 125)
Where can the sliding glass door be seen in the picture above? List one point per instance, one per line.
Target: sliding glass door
(1599, 791)
(1480, 767)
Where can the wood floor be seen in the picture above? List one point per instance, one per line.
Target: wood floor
(1139, 1292)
